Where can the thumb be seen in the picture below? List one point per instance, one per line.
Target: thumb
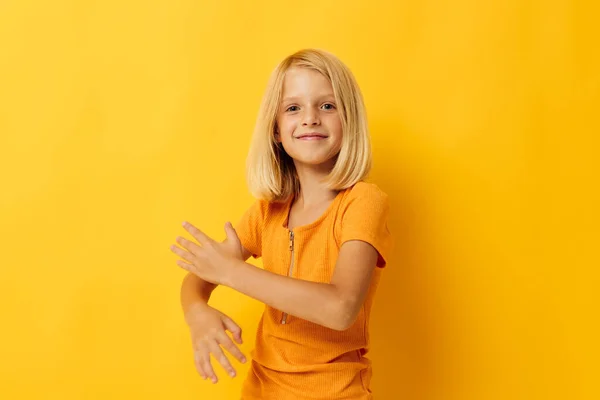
(234, 328)
(230, 232)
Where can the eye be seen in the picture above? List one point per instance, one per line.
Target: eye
(329, 106)
(292, 108)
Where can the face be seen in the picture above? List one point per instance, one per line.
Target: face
(308, 122)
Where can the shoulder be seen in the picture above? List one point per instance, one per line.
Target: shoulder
(268, 209)
(365, 193)
(364, 216)
(263, 204)
(364, 201)
(258, 206)
(257, 211)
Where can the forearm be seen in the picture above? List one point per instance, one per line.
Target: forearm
(195, 293)
(320, 303)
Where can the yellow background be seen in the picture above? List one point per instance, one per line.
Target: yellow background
(121, 119)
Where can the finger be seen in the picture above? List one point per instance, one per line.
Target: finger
(198, 364)
(217, 352)
(202, 238)
(189, 245)
(226, 342)
(187, 266)
(234, 328)
(182, 253)
(207, 366)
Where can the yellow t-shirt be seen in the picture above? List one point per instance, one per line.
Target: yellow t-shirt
(294, 358)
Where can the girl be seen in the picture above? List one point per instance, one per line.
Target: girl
(321, 231)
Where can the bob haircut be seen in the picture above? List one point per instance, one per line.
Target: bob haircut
(270, 171)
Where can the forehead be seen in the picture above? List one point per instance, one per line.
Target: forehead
(305, 82)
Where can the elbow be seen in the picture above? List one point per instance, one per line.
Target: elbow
(344, 316)
(341, 325)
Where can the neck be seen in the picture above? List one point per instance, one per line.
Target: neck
(312, 190)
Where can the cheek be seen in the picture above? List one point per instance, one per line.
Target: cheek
(286, 125)
(335, 125)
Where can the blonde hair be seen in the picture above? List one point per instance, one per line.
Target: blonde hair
(270, 171)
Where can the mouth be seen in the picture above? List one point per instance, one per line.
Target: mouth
(312, 136)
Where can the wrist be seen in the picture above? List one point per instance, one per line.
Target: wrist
(231, 270)
(192, 311)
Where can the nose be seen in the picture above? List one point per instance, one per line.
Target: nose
(311, 117)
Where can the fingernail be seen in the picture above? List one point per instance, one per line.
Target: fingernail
(243, 359)
(232, 373)
(184, 223)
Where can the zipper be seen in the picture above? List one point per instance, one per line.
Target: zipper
(290, 270)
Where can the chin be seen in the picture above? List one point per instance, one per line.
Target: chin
(314, 160)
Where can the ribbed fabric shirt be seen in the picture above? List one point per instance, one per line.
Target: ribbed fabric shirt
(294, 358)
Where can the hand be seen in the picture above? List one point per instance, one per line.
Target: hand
(207, 328)
(212, 260)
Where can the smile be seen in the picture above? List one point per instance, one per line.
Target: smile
(312, 136)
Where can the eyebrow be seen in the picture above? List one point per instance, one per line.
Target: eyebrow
(291, 98)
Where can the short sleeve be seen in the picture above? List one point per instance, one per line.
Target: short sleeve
(250, 226)
(365, 218)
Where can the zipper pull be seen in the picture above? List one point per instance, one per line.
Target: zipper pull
(291, 240)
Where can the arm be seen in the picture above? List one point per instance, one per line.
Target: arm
(208, 325)
(195, 292)
(334, 305)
